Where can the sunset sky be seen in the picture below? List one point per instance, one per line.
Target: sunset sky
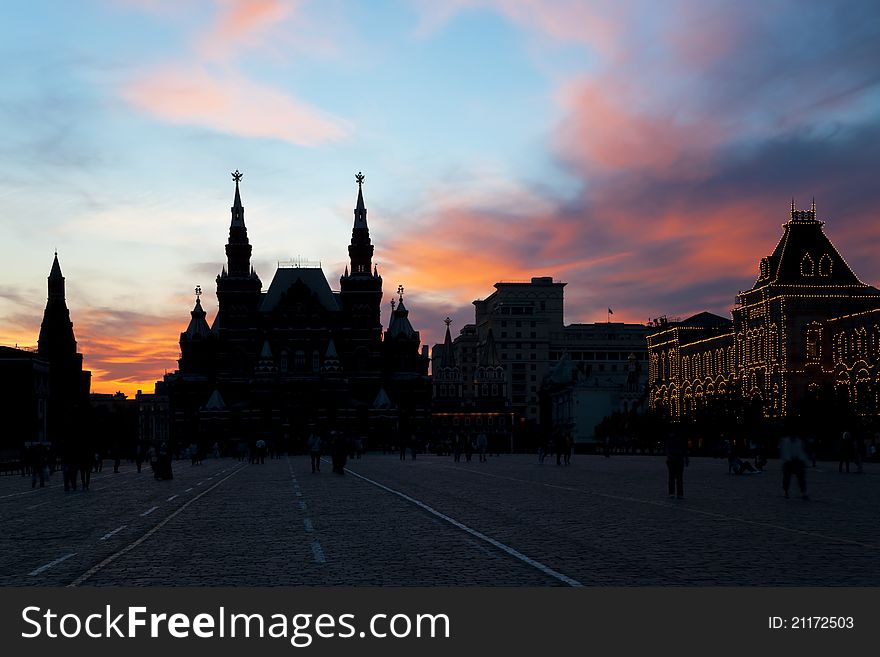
(643, 152)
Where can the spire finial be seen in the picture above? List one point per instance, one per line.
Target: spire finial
(198, 292)
(237, 176)
(813, 207)
(792, 204)
(359, 178)
(447, 321)
(393, 305)
(400, 291)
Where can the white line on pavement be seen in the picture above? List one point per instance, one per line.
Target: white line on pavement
(473, 532)
(187, 490)
(52, 563)
(131, 546)
(678, 507)
(200, 483)
(171, 498)
(307, 523)
(149, 511)
(318, 552)
(115, 531)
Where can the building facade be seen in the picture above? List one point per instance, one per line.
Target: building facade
(275, 361)
(807, 322)
(525, 320)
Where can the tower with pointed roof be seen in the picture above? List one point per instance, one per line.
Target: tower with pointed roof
(360, 289)
(68, 383)
(298, 351)
(447, 379)
(238, 285)
(197, 343)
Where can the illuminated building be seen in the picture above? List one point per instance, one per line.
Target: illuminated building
(807, 321)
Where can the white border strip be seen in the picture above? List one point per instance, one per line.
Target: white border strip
(473, 532)
(131, 546)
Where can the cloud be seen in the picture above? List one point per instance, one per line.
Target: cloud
(243, 25)
(207, 88)
(232, 104)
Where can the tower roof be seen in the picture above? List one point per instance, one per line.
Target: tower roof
(55, 272)
(237, 208)
(488, 352)
(400, 325)
(447, 356)
(198, 327)
(805, 256)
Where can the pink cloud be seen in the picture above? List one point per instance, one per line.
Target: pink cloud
(232, 104)
(243, 24)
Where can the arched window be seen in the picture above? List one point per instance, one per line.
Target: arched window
(808, 267)
(825, 265)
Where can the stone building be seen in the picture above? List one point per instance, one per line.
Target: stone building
(275, 361)
(808, 321)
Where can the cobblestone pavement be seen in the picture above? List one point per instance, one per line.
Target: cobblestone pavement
(506, 522)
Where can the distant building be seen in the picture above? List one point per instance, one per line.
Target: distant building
(807, 324)
(525, 320)
(113, 424)
(24, 399)
(153, 417)
(275, 361)
(485, 410)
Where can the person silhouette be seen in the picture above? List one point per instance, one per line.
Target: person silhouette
(794, 461)
(676, 461)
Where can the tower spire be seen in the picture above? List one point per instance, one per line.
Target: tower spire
(237, 207)
(361, 248)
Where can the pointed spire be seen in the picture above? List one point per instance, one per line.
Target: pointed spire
(448, 351)
(56, 280)
(198, 328)
(792, 206)
(360, 250)
(359, 178)
(813, 207)
(237, 207)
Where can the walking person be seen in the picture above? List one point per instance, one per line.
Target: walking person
(69, 463)
(402, 447)
(315, 450)
(456, 448)
(794, 461)
(39, 469)
(846, 451)
(676, 461)
(482, 444)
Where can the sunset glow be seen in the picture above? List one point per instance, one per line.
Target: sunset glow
(646, 155)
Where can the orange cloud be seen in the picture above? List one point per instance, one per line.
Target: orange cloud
(232, 104)
(610, 127)
(242, 24)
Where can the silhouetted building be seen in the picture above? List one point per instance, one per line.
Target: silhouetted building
(68, 383)
(274, 361)
(807, 323)
(525, 321)
(24, 399)
(114, 424)
(486, 410)
(153, 421)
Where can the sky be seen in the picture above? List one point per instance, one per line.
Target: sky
(645, 153)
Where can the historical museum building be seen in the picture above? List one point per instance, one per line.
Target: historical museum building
(807, 324)
(519, 329)
(298, 353)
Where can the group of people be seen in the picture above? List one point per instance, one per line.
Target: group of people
(467, 445)
(340, 447)
(792, 454)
